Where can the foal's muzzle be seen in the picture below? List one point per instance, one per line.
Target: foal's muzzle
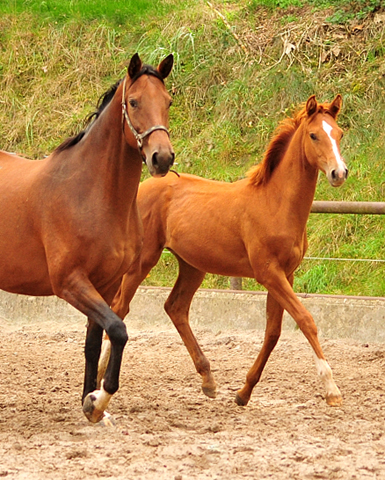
(337, 176)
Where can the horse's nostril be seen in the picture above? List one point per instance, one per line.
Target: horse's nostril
(155, 159)
(334, 175)
(172, 158)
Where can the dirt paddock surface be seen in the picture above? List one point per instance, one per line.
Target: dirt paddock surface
(167, 429)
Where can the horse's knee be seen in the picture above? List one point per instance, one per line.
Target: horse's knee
(174, 309)
(117, 333)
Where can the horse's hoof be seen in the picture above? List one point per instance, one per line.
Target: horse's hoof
(239, 400)
(107, 421)
(90, 411)
(210, 392)
(334, 400)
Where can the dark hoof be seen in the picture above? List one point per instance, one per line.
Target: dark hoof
(239, 401)
(90, 411)
(210, 392)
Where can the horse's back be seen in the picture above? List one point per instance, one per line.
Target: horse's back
(198, 219)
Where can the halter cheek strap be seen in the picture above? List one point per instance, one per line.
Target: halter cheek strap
(138, 136)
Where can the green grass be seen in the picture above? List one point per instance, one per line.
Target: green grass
(57, 58)
(116, 12)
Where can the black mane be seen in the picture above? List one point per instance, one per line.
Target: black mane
(103, 101)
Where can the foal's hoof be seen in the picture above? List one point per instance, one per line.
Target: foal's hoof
(90, 411)
(334, 400)
(210, 392)
(240, 401)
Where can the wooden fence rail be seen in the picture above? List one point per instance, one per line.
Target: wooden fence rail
(368, 208)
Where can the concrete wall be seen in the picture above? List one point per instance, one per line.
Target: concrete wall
(358, 318)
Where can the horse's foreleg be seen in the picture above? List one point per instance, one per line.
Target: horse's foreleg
(83, 296)
(95, 401)
(177, 307)
(274, 313)
(283, 292)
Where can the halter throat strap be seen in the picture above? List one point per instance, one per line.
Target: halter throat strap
(138, 136)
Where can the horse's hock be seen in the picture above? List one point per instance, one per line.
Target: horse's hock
(357, 318)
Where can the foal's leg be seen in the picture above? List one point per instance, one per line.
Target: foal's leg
(282, 291)
(274, 313)
(177, 307)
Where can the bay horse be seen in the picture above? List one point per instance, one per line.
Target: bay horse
(255, 227)
(69, 224)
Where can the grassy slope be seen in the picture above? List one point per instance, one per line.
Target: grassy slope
(57, 57)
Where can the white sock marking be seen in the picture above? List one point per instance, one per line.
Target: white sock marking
(102, 398)
(325, 372)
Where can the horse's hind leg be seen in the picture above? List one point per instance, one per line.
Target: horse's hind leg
(177, 307)
(274, 313)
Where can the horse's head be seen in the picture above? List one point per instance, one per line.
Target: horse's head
(322, 139)
(146, 103)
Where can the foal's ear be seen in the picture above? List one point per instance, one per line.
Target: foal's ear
(165, 66)
(135, 66)
(311, 106)
(335, 106)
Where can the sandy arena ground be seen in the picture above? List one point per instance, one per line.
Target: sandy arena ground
(167, 429)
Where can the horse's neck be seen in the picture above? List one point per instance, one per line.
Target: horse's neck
(295, 179)
(115, 166)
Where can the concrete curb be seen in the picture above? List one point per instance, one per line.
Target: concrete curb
(357, 318)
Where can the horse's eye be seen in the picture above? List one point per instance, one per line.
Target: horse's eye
(133, 103)
(169, 105)
(313, 136)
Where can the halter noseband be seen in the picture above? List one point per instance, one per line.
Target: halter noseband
(139, 136)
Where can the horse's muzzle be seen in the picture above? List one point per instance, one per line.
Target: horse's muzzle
(160, 162)
(337, 176)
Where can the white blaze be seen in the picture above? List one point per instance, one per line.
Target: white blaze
(328, 129)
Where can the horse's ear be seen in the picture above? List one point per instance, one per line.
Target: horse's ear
(135, 66)
(165, 66)
(335, 106)
(311, 106)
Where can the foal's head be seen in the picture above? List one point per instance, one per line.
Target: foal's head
(322, 139)
(146, 104)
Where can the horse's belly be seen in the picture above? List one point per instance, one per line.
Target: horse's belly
(227, 260)
(28, 277)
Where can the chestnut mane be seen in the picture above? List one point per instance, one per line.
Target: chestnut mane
(260, 174)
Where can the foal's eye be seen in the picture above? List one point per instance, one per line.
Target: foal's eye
(133, 103)
(313, 136)
(169, 105)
